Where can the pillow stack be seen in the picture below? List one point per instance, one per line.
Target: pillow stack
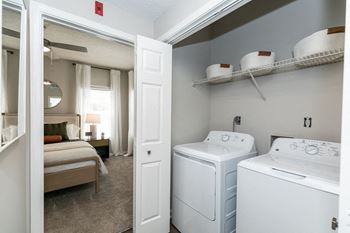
(58, 130)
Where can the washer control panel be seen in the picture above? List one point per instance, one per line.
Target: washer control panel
(306, 149)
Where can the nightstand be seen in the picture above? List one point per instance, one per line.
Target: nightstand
(101, 146)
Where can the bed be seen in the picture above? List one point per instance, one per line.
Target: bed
(70, 163)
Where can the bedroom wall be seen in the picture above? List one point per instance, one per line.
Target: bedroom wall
(12, 80)
(314, 92)
(61, 72)
(190, 106)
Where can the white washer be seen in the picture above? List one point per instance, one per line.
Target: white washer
(204, 182)
(292, 189)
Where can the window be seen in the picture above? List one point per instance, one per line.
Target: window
(100, 103)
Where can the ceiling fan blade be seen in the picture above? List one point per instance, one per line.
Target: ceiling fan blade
(9, 32)
(68, 47)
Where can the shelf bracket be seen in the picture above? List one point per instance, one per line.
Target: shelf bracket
(256, 85)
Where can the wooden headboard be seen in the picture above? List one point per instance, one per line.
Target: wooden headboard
(58, 118)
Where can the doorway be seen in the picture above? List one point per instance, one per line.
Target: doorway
(151, 160)
(88, 164)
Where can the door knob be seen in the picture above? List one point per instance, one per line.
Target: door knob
(149, 152)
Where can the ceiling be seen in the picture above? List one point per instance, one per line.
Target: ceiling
(101, 52)
(150, 9)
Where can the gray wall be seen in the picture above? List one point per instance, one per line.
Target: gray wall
(61, 72)
(190, 106)
(12, 80)
(315, 92)
(275, 25)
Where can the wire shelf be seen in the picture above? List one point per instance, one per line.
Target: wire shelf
(290, 64)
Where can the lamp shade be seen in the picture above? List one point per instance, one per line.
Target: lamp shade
(93, 118)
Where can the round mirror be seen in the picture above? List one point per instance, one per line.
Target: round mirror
(52, 94)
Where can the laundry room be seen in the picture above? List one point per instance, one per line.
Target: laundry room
(276, 26)
(270, 69)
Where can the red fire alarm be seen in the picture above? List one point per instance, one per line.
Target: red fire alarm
(99, 8)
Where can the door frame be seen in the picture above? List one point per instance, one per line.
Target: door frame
(344, 196)
(39, 12)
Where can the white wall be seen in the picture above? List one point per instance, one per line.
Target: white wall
(14, 186)
(176, 14)
(315, 92)
(344, 199)
(113, 16)
(190, 106)
(13, 175)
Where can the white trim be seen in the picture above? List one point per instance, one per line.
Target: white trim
(201, 18)
(39, 12)
(344, 197)
(13, 5)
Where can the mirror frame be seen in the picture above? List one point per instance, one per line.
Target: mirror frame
(18, 5)
(52, 82)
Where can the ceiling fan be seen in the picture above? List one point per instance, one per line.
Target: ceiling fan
(47, 43)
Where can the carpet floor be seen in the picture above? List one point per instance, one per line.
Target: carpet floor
(80, 210)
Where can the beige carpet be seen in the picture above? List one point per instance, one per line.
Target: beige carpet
(80, 210)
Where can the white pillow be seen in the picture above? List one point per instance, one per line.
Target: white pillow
(9, 133)
(73, 131)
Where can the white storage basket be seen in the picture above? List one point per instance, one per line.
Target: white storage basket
(258, 60)
(219, 70)
(328, 40)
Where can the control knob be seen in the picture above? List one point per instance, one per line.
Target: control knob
(311, 150)
(225, 138)
(333, 153)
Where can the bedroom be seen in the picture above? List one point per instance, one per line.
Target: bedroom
(88, 145)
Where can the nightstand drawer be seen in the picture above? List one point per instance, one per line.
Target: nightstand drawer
(101, 146)
(98, 143)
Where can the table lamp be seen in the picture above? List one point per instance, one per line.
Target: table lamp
(93, 119)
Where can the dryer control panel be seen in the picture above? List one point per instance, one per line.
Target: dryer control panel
(323, 152)
(227, 138)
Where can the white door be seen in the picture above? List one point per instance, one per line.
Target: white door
(152, 140)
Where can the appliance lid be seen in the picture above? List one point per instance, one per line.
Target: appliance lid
(220, 146)
(315, 176)
(210, 151)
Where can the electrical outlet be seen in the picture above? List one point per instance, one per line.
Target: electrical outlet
(237, 120)
(307, 122)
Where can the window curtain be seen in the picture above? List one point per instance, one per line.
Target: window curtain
(3, 83)
(116, 132)
(131, 114)
(83, 84)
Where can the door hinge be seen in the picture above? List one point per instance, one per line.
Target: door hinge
(334, 224)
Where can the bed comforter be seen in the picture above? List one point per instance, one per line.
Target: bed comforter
(63, 153)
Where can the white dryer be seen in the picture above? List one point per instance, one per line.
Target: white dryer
(292, 189)
(204, 182)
